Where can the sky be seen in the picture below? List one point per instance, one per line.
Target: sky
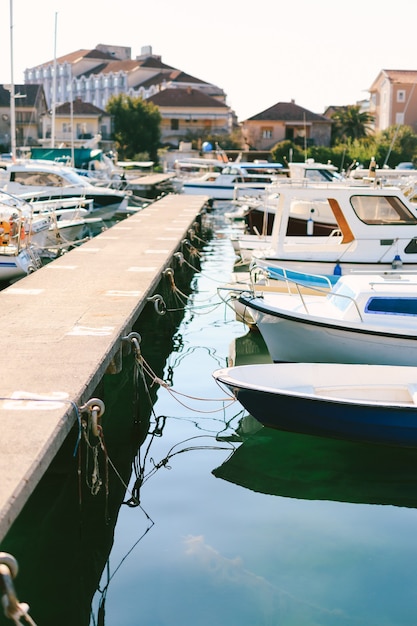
(318, 54)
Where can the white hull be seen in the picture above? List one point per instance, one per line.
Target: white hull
(365, 318)
(292, 340)
(17, 264)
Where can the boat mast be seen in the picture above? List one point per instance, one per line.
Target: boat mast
(54, 91)
(12, 92)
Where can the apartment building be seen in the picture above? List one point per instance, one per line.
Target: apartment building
(393, 99)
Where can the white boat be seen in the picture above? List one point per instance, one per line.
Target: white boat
(257, 282)
(259, 212)
(376, 230)
(194, 167)
(369, 403)
(249, 178)
(53, 226)
(66, 225)
(47, 180)
(18, 255)
(365, 318)
(306, 218)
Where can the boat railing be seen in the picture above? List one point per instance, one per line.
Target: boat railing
(259, 275)
(300, 281)
(331, 295)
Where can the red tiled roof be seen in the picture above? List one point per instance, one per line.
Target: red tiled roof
(154, 62)
(401, 76)
(120, 66)
(73, 57)
(290, 112)
(184, 98)
(182, 77)
(78, 108)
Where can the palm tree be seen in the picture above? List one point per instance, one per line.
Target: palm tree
(351, 123)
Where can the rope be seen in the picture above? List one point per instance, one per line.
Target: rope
(13, 609)
(157, 380)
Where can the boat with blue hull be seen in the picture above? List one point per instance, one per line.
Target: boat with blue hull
(368, 403)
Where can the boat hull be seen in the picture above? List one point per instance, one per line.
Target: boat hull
(327, 418)
(292, 337)
(14, 266)
(350, 410)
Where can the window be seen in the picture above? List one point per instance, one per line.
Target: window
(40, 179)
(382, 210)
(266, 133)
(401, 95)
(399, 118)
(175, 124)
(23, 117)
(392, 306)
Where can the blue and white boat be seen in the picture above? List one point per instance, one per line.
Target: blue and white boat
(368, 403)
(364, 318)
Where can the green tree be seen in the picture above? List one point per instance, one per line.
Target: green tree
(350, 123)
(136, 126)
(287, 151)
(396, 144)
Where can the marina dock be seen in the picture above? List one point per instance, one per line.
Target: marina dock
(63, 327)
(149, 183)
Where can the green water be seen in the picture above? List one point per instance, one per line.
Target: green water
(210, 519)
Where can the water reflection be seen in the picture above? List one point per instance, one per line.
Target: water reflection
(249, 348)
(314, 468)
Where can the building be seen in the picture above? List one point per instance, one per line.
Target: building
(286, 120)
(96, 75)
(190, 113)
(30, 106)
(187, 104)
(77, 124)
(393, 99)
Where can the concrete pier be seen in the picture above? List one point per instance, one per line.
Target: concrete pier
(62, 327)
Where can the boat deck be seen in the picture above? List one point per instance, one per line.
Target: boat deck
(62, 327)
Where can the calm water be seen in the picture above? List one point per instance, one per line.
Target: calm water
(210, 519)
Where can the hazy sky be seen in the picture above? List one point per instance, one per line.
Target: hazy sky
(319, 53)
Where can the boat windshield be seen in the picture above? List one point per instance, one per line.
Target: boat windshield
(42, 178)
(341, 296)
(379, 210)
(322, 175)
